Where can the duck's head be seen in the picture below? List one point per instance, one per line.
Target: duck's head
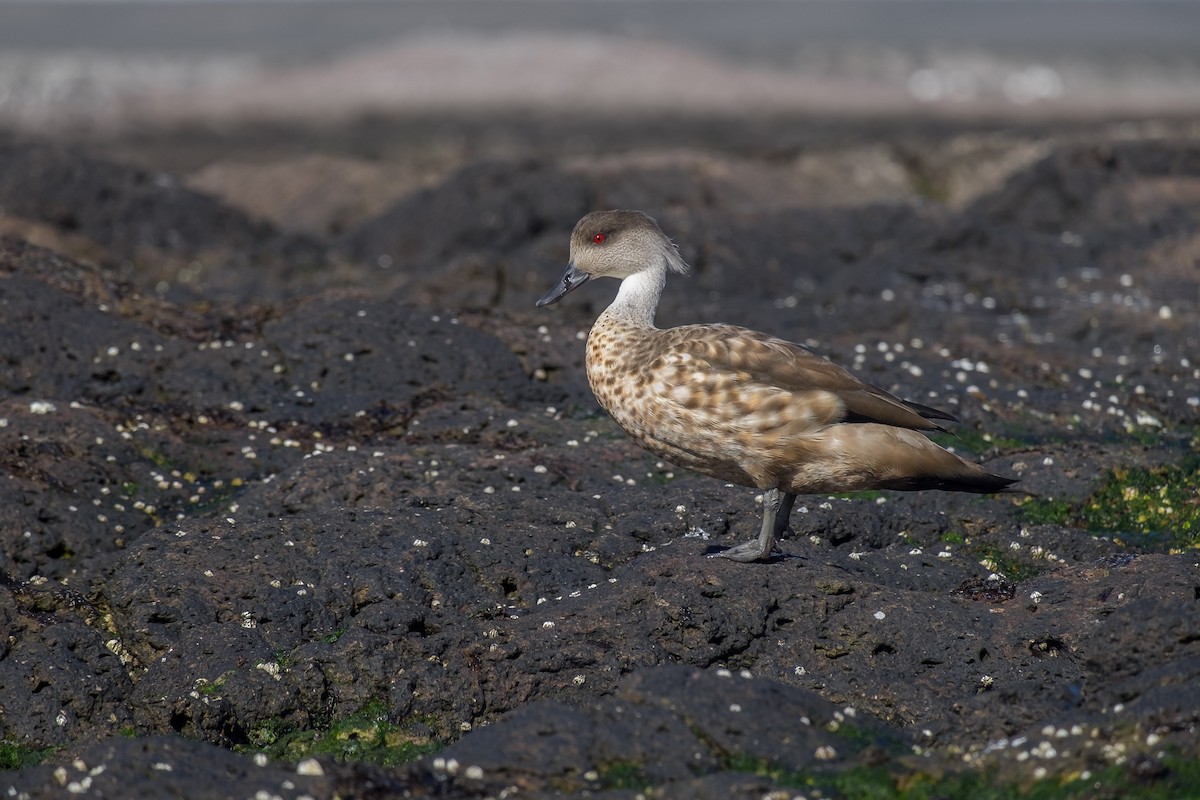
(614, 244)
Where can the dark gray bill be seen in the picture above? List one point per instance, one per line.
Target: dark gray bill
(571, 279)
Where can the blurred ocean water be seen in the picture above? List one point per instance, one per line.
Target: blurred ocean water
(96, 62)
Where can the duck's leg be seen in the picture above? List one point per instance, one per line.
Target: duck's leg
(777, 510)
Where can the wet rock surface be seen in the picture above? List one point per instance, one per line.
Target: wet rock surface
(261, 488)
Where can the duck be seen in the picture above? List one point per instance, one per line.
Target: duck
(739, 405)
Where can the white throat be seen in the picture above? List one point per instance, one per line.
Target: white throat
(637, 299)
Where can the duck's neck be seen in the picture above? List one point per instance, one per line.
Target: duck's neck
(637, 299)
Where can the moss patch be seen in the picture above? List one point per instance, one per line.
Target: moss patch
(1046, 511)
(1177, 778)
(628, 775)
(954, 537)
(14, 755)
(210, 688)
(1163, 501)
(1004, 561)
(1148, 509)
(365, 736)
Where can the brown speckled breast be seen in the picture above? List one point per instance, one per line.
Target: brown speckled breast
(673, 394)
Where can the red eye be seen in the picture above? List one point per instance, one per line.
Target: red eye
(599, 238)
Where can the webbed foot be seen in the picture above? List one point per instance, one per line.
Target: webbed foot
(752, 550)
(777, 511)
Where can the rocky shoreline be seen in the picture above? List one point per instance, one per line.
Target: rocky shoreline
(326, 509)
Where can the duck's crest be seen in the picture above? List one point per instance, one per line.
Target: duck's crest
(675, 262)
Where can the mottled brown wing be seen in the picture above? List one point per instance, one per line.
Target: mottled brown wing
(795, 368)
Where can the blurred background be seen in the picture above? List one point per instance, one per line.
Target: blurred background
(89, 65)
(317, 115)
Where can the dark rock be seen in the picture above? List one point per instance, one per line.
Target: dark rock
(490, 207)
(119, 207)
(231, 520)
(145, 223)
(1103, 185)
(346, 357)
(60, 681)
(665, 725)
